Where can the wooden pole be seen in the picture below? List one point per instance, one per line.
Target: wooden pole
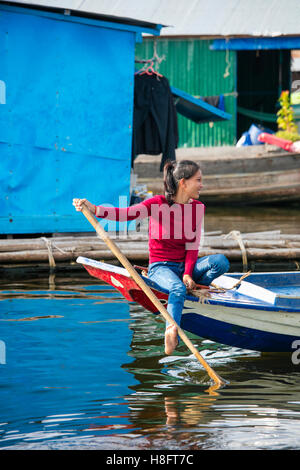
(218, 381)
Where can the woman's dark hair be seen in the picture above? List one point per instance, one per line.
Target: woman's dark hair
(175, 171)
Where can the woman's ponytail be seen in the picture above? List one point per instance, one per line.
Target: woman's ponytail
(170, 184)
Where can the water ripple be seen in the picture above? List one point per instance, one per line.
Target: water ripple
(86, 369)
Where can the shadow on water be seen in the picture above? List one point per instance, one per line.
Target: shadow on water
(85, 369)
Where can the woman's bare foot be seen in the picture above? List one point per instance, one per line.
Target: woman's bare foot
(171, 339)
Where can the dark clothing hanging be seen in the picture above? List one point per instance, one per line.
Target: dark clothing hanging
(213, 100)
(155, 128)
(216, 101)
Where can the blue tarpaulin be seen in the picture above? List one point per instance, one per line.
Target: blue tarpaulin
(197, 109)
(260, 43)
(65, 116)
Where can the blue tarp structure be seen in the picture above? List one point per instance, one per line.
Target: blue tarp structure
(254, 44)
(65, 114)
(197, 109)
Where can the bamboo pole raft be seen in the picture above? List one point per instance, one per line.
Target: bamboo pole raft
(236, 246)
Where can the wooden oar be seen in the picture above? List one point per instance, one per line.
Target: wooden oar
(139, 280)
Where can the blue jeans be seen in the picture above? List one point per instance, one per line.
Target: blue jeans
(169, 274)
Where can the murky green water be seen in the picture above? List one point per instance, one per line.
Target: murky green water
(85, 369)
(285, 218)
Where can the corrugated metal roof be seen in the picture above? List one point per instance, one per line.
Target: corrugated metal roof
(200, 17)
(57, 7)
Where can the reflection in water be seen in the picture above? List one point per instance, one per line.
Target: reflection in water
(169, 397)
(93, 375)
(177, 412)
(33, 318)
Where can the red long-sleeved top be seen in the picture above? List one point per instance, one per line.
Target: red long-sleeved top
(174, 231)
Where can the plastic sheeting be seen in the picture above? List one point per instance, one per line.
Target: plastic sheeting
(65, 126)
(197, 109)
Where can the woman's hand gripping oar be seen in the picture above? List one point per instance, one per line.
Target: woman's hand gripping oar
(218, 382)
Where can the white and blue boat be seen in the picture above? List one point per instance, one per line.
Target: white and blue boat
(261, 313)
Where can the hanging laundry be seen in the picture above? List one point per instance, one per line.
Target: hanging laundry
(155, 127)
(217, 101)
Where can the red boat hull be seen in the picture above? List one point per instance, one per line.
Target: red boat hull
(128, 287)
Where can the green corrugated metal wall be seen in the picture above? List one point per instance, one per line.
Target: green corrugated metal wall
(192, 67)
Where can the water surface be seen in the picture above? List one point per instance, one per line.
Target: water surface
(85, 369)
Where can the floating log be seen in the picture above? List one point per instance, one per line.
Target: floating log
(92, 242)
(42, 255)
(269, 245)
(222, 243)
(96, 245)
(267, 234)
(258, 253)
(290, 237)
(38, 243)
(65, 246)
(142, 253)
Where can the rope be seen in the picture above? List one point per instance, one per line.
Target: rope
(50, 245)
(235, 285)
(62, 251)
(236, 235)
(228, 64)
(50, 254)
(155, 58)
(203, 295)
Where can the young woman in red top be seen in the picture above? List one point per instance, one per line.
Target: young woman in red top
(175, 221)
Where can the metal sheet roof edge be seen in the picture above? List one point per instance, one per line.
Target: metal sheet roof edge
(138, 25)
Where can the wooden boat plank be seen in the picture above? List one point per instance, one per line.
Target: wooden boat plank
(251, 175)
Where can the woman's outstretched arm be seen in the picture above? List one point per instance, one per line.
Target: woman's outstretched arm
(120, 214)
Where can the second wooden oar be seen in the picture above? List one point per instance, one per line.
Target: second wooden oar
(218, 381)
